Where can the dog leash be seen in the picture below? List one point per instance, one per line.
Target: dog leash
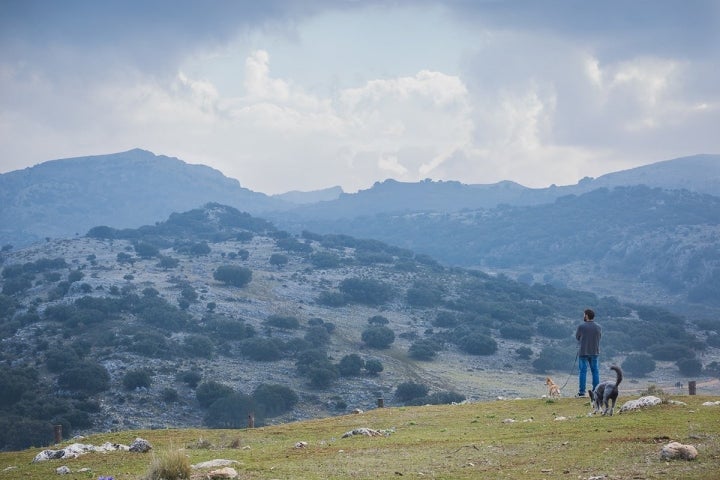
(577, 354)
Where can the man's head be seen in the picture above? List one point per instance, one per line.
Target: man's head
(589, 314)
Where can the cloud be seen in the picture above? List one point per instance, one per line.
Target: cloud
(531, 91)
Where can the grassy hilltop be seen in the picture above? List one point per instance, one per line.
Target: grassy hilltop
(545, 439)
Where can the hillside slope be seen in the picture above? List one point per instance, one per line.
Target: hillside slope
(122, 328)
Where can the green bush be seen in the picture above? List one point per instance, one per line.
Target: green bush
(197, 345)
(351, 365)
(407, 391)
(423, 295)
(233, 275)
(477, 343)
(638, 364)
(85, 377)
(317, 336)
(232, 411)
(261, 349)
(209, 392)
(423, 349)
(332, 299)
(367, 291)
(689, 367)
(373, 366)
(275, 399)
(137, 379)
(378, 337)
(325, 260)
(282, 321)
(278, 259)
(191, 378)
(60, 358)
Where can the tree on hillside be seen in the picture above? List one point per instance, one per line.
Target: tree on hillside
(378, 337)
(233, 275)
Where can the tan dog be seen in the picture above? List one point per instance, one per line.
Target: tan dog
(553, 389)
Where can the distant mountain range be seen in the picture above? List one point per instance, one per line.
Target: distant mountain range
(62, 198)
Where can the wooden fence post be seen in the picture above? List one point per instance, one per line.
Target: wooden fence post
(251, 420)
(691, 387)
(58, 433)
(381, 403)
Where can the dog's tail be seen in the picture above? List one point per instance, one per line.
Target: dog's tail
(618, 372)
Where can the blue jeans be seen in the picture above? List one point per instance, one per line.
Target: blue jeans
(583, 362)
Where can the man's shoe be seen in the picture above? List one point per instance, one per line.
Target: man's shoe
(579, 395)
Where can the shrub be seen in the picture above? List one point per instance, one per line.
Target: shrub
(137, 379)
(208, 392)
(378, 320)
(261, 349)
(477, 343)
(332, 299)
(670, 352)
(424, 295)
(170, 465)
(325, 260)
(85, 377)
(423, 349)
(378, 337)
(168, 262)
(638, 364)
(75, 276)
(275, 399)
(14, 383)
(514, 331)
(169, 395)
(232, 411)
(553, 358)
(282, 321)
(373, 366)
(524, 352)
(689, 367)
(351, 365)
(366, 291)
(317, 336)
(233, 275)
(198, 346)
(552, 329)
(322, 376)
(445, 319)
(407, 391)
(60, 358)
(278, 260)
(191, 378)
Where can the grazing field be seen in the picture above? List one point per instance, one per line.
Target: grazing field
(524, 439)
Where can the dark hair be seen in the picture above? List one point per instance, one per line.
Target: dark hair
(590, 314)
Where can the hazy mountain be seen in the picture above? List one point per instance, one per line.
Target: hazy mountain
(300, 198)
(699, 173)
(61, 198)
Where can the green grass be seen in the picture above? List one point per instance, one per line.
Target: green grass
(432, 442)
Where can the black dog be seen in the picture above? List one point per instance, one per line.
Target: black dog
(605, 393)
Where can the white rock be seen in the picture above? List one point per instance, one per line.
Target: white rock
(678, 451)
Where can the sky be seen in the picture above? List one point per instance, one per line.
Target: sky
(287, 95)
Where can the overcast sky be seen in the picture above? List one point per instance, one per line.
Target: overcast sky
(306, 94)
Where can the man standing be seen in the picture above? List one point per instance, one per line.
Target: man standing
(588, 336)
